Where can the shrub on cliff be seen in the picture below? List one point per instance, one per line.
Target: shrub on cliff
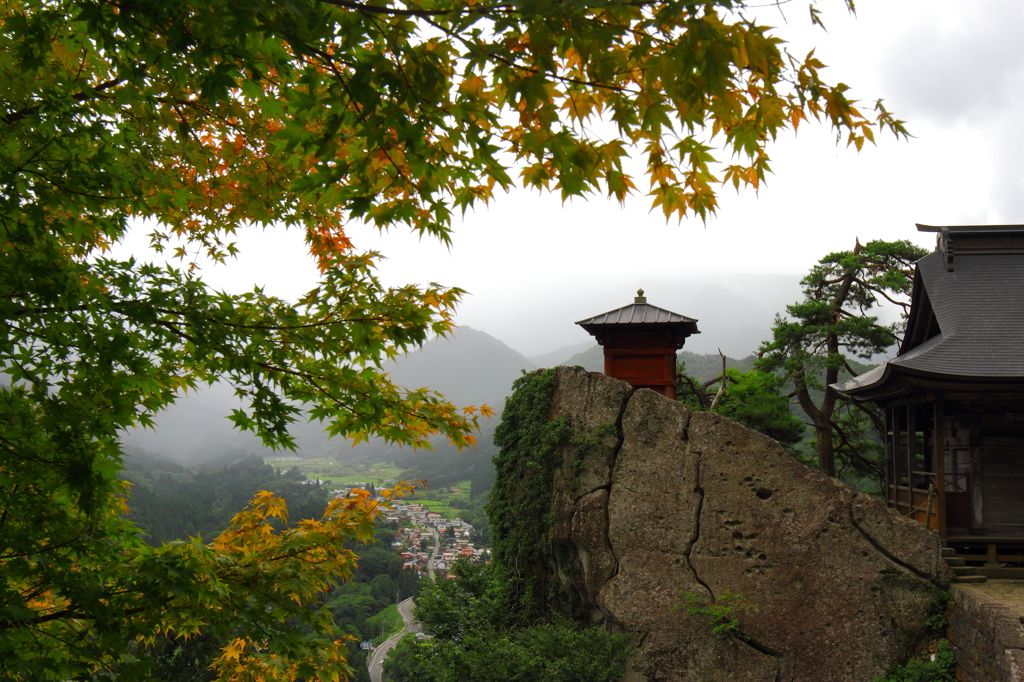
(475, 638)
(520, 502)
(939, 666)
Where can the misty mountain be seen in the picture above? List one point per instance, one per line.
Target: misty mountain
(737, 322)
(557, 357)
(591, 359)
(470, 368)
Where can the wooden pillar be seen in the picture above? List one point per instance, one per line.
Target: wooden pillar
(977, 474)
(890, 459)
(898, 460)
(911, 456)
(939, 458)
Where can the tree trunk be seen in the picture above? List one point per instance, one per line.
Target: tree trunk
(822, 427)
(823, 417)
(823, 424)
(826, 450)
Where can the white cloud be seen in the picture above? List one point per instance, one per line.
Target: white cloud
(958, 63)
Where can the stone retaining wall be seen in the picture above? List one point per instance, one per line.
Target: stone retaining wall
(988, 638)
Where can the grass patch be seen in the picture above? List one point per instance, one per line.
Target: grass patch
(385, 623)
(436, 506)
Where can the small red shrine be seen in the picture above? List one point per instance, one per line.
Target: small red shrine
(640, 343)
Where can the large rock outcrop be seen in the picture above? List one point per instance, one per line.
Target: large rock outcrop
(651, 499)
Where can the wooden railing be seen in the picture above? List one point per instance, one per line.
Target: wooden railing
(920, 504)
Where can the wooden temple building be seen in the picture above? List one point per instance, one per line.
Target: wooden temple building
(640, 343)
(954, 395)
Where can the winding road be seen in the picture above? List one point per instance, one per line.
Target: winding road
(405, 610)
(381, 652)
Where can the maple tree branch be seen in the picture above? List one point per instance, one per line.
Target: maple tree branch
(71, 614)
(39, 620)
(279, 327)
(40, 588)
(422, 13)
(534, 70)
(50, 548)
(249, 585)
(314, 382)
(32, 157)
(14, 117)
(68, 190)
(482, 10)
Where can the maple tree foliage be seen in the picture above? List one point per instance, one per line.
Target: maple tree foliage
(204, 119)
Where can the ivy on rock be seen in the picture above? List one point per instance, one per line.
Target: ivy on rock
(520, 502)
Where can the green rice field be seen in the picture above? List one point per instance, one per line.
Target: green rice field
(347, 474)
(341, 473)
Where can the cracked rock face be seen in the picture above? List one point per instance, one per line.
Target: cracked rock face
(652, 499)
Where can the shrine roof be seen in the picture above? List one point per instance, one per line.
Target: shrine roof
(637, 313)
(640, 313)
(974, 295)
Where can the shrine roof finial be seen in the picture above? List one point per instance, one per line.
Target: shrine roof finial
(640, 298)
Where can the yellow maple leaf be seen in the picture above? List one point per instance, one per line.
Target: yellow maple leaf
(234, 650)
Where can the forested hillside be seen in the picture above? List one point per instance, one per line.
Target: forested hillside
(170, 502)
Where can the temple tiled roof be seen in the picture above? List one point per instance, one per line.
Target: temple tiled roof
(637, 313)
(978, 304)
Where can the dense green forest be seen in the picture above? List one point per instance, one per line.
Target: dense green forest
(446, 464)
(171, 502)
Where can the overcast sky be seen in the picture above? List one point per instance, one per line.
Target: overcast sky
(953, 70)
